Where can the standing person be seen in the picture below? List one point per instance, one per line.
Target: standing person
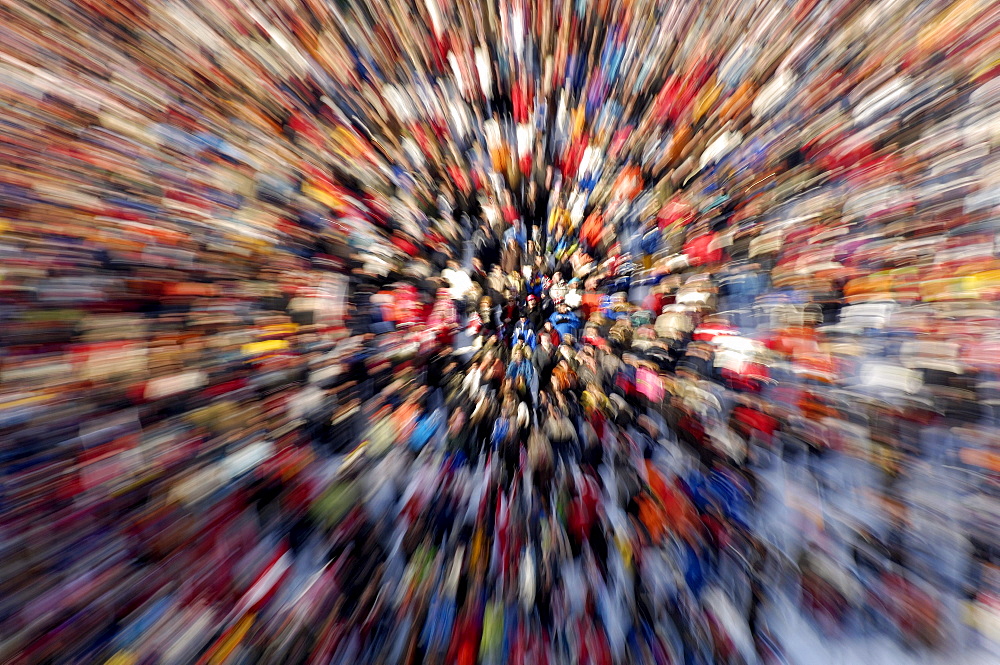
(531, 253)
(480, 425)
(510, 257)
(506, 441)
(524, 332)
(520, 371)
(533, 283)
(544, 360)
(509, 314)
(485, 245)
(460, 284)
(495, 284)
(558, 289)
(488, 320)
(561, 433)
(479, 275)
(566, 322)
(458, 436)
(517, 233)
(535, 314)
(443, 320)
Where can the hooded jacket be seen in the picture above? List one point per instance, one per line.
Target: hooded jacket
(567, 323)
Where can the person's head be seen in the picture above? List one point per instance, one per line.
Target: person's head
(557, 277)
(516, 354)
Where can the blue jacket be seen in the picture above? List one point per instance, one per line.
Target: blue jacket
(436, 634)
(566, 323)
(426, 430)
(501, 427)
(521, 236)
(523, 329)
(518, 369)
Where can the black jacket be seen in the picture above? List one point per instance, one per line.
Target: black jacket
(544, 362)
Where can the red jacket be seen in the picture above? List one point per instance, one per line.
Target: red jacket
(699, 253)
(753, 420)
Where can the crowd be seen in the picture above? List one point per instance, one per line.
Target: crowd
(524, 331)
